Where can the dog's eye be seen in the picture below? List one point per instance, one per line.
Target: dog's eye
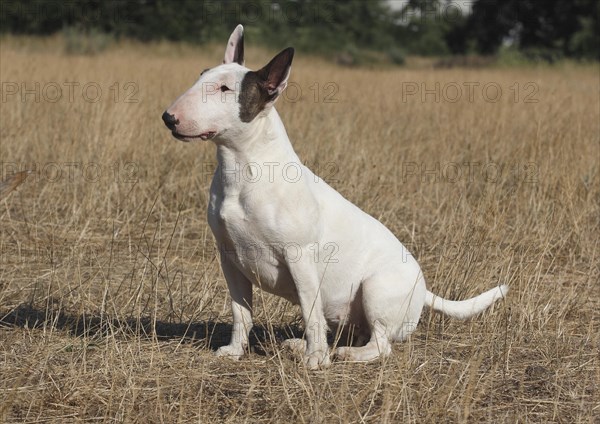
(224, 88)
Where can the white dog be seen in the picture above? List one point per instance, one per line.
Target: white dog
(281, 228)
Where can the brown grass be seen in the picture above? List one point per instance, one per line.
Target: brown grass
(111, 297)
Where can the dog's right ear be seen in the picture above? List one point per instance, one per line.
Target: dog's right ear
(235, 47)
(276, 73)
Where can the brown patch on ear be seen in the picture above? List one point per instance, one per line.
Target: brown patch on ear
(277, 69)
(260, 88)
(253, 96)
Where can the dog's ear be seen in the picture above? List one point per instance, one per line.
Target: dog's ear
(260, 89)
(275, 74)
(235, 47)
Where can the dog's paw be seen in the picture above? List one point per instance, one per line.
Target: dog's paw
(344, 353)
(314, 361)
(296, 347)
(230, 352)
(367, 353)
(317, 360)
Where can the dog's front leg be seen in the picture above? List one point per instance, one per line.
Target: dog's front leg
(307, 284)
(240, 290)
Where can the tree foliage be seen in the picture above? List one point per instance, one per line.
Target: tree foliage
(568, 28)
(427, 27)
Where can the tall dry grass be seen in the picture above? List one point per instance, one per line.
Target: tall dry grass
(111, 297)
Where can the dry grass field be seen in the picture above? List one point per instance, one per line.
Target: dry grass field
(111, 297)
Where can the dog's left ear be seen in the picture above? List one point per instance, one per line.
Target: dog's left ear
(262, 88)
(275, 74)
(235, 47)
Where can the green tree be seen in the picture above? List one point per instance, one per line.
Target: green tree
(568, 28)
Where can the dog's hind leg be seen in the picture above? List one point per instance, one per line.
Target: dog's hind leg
(391, 310)
(378, 345)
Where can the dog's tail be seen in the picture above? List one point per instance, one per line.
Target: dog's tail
(464, 309)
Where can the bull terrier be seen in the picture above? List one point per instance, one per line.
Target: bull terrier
(291, 234)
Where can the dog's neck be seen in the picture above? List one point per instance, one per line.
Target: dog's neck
(264, 143)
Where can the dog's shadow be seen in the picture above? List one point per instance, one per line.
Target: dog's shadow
(207, 334)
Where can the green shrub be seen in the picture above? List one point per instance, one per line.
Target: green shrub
(88, 42)
(397, 56)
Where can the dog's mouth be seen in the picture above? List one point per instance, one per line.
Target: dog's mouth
(204, 136)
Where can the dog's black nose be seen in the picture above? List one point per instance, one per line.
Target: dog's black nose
(170, 120)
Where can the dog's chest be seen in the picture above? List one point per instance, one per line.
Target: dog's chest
(244, 236)
(232, 227)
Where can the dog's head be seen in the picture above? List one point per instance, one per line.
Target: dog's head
(228, 98)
